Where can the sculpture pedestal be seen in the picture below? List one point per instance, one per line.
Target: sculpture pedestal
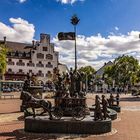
(112, 113)
(67, 125)
(116, 108)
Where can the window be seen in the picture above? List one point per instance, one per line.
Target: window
(40, 55)
(10, 71)
(20, 70)
(30, 64)
(45, 49)
(20, 63)
(49, 75)
(49, 56)
(9, 60)
(16, 53)
(49, 65)
(39, 64)
(40, 73)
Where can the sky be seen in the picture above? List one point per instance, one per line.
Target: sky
(107, 28)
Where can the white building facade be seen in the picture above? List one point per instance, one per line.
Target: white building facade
(39, 59)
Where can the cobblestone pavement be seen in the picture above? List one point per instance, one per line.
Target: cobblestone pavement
(127, 126)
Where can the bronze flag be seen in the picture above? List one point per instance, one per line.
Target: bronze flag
(66, 36)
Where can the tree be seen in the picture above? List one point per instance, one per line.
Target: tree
(88, 73)
(3, 62)
(124, 71)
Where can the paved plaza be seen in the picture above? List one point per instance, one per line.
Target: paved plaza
(126, 127)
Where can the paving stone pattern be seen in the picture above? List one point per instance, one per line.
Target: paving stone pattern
(127, 128)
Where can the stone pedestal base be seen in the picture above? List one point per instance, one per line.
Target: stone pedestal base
(116, 108)
(67, 126)
(112, 113)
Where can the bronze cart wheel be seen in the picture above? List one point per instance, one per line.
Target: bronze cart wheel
(78, 113)
(57, 113)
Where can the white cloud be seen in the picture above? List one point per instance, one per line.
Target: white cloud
(116, 28)
(96, 50)
(20, 31)
(68, 1)
(22, 1)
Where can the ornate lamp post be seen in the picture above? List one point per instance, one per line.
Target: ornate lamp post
(74, 22)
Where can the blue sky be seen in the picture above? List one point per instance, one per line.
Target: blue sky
(97, 16)
(107, 21)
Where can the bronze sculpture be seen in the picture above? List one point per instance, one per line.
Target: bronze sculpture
(104, 107)
(97, 111)
(111, 100)
(31, 102)
(117, 99)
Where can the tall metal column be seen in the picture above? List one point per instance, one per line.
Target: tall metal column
(74, 22)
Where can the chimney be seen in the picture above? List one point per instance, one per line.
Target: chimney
(4, 39)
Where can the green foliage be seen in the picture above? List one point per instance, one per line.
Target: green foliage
(3, 63)
(124, 70)
(88, 71)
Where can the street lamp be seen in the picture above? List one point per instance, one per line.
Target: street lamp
(74, 22)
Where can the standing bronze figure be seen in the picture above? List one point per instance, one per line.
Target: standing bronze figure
(98, 111)
(117, 99)
(104, 105)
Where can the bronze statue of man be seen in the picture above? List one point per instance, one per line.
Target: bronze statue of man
(98, 111)
(104, 105)
(117, 99)
(111, 99)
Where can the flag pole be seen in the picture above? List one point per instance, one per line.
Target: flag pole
(75, 49)
(74, 22)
